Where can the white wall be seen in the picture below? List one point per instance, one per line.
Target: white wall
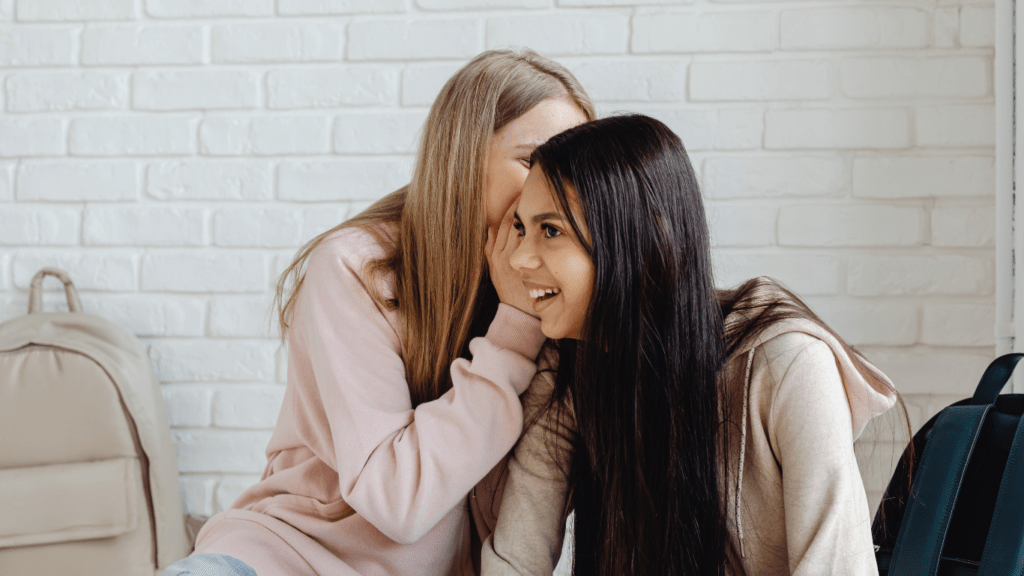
(172, 154)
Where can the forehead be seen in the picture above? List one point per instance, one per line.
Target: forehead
(538, 195)
(537, 125)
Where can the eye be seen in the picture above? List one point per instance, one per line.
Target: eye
(525, 162)
(550, 231)
(519, 227)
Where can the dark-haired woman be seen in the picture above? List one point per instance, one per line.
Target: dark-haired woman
(693, 431)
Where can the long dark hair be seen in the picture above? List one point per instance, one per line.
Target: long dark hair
(644, 475)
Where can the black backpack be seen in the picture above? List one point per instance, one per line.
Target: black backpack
(964, 513)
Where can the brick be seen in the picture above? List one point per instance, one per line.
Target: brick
(746, 224)
(188, 406)
(203, 271)
(714, 129)
(932, 372)
(91, 270)
(422, 83)
(959, 325)
(956, 126)
(149, 315)
(947, 27)
(592, 3)
(392, 132)
(963, 226)
(37, 46)
(53, 91)
(356, 179)
(633, 80)
(208, 360)
(277, 42)
(558, 34)
(292, 7)
(977, 26)
(323, 218)
(36, 10)
(257, 227)
(247, 406)
(210, 180)
(208, 8)
(143, 226)
(34, 225)
(800, 176)
(132, 136)
(871, 275)
(21, 137)
(854, 28)
(78, 181)
(413, 40)
(923, 176)
(230, 488)
(891, 77)
(127, 45)
(842, 129)
(265, 135)
(440, 5)
(851, 225)
(7, 181)
(219, 451)
(760, 80)
(746, 31)
(862, 322)
(197, 494)
(243, 317)
(331, 87)
(190, 90)
(806, 274)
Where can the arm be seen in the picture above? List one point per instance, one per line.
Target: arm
(403, 469)
(527, 539)
(828, 525)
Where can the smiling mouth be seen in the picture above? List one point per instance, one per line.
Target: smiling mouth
(540, 295)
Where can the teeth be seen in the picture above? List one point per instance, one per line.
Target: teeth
(541, 292)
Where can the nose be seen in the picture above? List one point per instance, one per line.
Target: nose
(524, 257)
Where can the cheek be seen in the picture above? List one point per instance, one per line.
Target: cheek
(579, 279)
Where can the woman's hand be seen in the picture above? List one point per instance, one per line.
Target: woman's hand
(501, 243)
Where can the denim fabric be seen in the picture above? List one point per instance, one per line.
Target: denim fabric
(209, 564)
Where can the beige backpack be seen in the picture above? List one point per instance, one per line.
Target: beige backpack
(88, 473)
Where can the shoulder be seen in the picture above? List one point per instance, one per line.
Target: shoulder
(354, 247)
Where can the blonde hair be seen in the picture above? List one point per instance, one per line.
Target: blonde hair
(434, 228)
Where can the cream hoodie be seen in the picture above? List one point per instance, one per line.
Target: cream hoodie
(357, 481)
(796, 501)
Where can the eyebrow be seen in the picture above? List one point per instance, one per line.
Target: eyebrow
(546, 216)
(528, 145)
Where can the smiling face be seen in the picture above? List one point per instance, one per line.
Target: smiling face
(508, 157)
(555, 266)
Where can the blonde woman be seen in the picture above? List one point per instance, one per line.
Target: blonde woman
(404, 369)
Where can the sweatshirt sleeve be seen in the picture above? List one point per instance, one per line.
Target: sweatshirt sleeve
(403, 469)
(828, 524)
(527, 539)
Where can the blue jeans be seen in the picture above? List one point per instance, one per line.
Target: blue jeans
(209, 564)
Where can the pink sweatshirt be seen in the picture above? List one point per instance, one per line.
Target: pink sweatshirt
(357, 481)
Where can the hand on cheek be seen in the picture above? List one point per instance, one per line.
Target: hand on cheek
(501, 243)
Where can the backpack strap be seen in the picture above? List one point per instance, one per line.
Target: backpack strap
(995, 377)
(935, 489)
(1004, 549)
(35, 290)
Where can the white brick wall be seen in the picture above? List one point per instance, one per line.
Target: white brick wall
(173, 154)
